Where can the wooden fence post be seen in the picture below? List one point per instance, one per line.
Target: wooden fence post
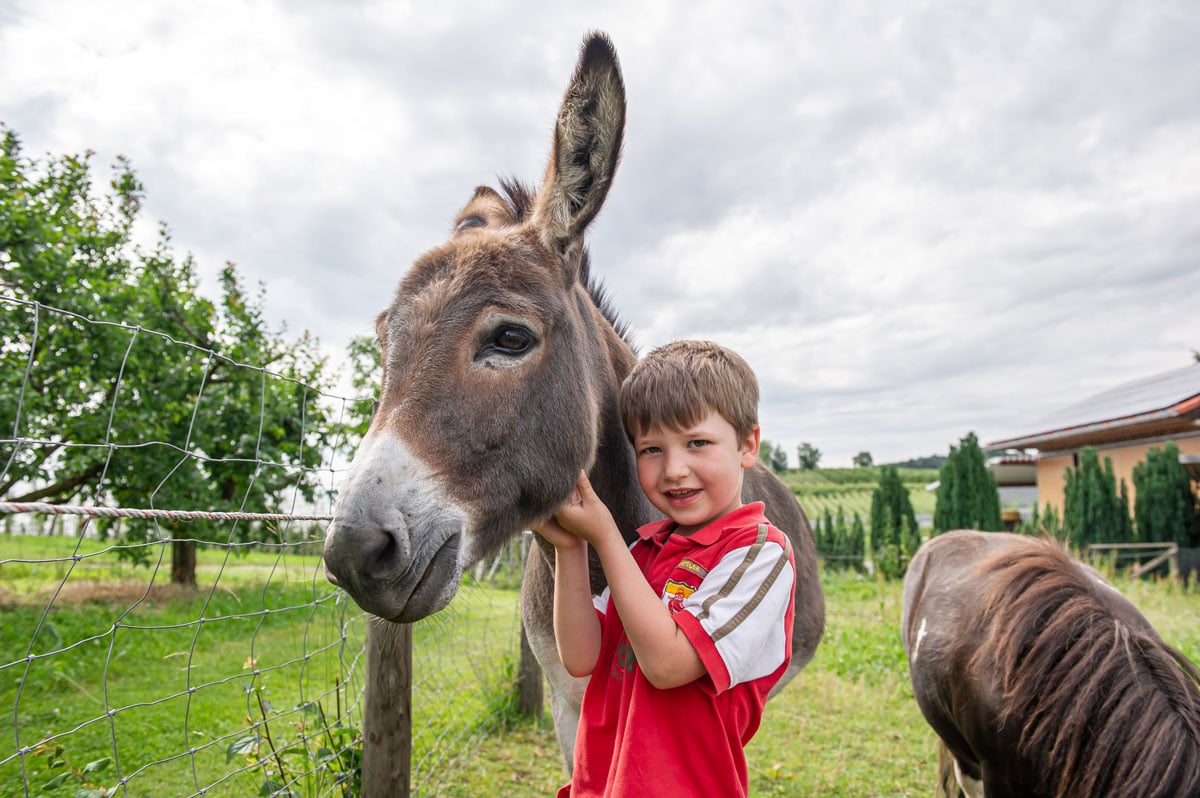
(387, 710)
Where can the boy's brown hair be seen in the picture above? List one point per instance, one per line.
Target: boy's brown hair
(678, 383)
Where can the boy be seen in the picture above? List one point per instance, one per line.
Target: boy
(695, 626)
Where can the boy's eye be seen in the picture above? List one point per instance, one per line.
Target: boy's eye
(648, 450)
(696, 444)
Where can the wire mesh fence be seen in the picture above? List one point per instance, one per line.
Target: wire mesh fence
(189, 643)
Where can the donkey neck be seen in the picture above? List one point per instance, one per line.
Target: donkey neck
(614, 472)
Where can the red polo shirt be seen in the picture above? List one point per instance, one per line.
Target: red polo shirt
(730, 587)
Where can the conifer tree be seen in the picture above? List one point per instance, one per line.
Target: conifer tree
(856, 547)
(1165, 507)
(1091, 510)
(894, 537)
(967, 497)
(1032, 525)
(1124, 515)
(840, 532)
(828, 532)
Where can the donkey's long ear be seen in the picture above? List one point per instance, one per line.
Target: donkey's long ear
(584, 155)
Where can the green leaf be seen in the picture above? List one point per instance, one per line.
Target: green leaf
(58, 781)
(98, 765)
(243, 746)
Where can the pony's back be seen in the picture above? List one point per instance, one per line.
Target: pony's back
(1066, 680)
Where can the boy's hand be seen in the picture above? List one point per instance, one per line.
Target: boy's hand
(556, 536)
(584, 515)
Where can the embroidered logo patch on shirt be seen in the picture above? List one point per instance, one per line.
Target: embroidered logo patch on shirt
(674, 593)
(623, 661)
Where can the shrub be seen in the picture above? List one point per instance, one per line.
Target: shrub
(1165, 507)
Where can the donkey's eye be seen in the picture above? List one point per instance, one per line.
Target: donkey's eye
(470, 222)
(512, 339)
(508, 340)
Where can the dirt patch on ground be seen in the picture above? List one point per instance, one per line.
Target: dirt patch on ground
(77, 593)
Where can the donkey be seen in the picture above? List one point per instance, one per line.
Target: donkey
(502, 360)
(1040, 679)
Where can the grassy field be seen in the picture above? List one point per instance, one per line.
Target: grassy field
(188, 675)
(179, 670)
(846, 726)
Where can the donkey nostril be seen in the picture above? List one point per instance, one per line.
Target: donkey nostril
(388, 553)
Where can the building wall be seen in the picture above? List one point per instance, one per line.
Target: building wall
(1052, 467)
(1052, 480)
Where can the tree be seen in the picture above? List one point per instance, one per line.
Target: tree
(773, 456)
(765, 450)
(807, 456)
(895, 535)
(863, 460)
(829, 531)
(140, 391)
(967, 497)
(856, 547)
(366, 374)
(1165, 507)
(1124, 515)
(1091, 509)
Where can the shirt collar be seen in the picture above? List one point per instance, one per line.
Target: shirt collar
(659, 531)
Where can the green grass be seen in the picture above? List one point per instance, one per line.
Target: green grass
(172, 681)
(181, 670)
(846, 726)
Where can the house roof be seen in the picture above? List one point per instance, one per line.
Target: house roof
(1164, 404)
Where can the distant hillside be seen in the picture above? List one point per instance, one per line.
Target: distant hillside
(851, 489)
(933, 461)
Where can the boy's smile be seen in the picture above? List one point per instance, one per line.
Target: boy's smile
(694, 475)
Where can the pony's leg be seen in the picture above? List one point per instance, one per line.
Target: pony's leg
(951, 781)
(972, 788)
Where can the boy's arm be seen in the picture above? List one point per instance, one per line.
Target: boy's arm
(576, 627)
(664, 653)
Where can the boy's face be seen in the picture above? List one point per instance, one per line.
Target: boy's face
(694, 476)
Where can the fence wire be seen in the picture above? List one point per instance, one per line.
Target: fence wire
(118, 679)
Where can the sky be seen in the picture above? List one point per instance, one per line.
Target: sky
(915, 220)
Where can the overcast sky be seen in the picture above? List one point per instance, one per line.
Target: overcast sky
(915, 220)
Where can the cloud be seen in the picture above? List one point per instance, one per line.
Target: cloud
(915, 221)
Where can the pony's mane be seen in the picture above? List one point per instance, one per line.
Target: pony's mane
(520, 199)
(1081, 684)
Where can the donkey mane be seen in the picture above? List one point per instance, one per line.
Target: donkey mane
(1082, 683)
(520, 201)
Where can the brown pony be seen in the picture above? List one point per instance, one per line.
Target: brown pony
(1041, 679)
(501, 368)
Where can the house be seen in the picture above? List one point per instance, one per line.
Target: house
(1122, 423)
